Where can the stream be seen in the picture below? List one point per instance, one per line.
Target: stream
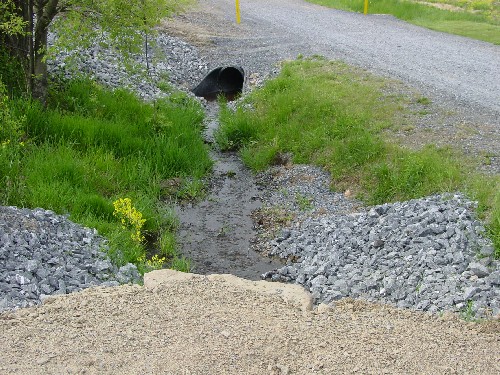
(216, 232)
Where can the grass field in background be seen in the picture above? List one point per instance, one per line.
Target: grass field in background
(478, 19)
(92, 146)
(333, 115)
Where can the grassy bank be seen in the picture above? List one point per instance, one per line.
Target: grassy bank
(102, 157)
(329, 114)
(478, 19)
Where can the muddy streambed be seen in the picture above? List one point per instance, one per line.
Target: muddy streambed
(216, 233)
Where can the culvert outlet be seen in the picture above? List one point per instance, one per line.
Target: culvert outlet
(225, 81)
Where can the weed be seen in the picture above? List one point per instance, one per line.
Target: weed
(417, 288)
(190, 189)
(237, 129)
(467, 313)
(181, 264)
(167, 245)
(155, 263)
(285, 192)
(12, 147)
(231, 174)
(11, 132)
(424, 100)
(303, 202)
(130, 218)
(164, 84)
(273, 217)
(224, 230)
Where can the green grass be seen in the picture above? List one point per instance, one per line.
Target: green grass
(473, 19)
(92, 146)
(335, 116)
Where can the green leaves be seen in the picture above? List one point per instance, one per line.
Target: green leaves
(118, 23)
(11, 22)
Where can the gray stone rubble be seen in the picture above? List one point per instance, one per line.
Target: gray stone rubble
(44, 254)
(171, 60)
(429, 254)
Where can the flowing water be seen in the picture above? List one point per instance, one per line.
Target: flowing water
(216, 233)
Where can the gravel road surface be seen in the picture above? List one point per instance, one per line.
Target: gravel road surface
(459, 68)
(460, 76)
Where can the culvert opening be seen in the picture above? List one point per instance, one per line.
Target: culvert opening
(222, 81)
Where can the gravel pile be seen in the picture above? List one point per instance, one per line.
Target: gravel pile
(427, 254)
(171, 60)
(43, 254)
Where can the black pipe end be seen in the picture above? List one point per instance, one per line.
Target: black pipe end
(225, 81)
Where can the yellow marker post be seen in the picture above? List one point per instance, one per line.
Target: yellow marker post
(366, 7)
(238, 17)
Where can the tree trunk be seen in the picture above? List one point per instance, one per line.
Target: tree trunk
(45, 13)
(18, 45)
(40, 73)
(30, 67)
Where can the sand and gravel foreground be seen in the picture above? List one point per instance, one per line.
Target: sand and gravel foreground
(191, 324)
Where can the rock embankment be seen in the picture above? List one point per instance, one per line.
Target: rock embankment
(170, 61)
(44, 254)
(430, 254)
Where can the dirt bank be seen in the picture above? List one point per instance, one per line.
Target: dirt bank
(224, 325)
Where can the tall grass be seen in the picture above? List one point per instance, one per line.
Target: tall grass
(328, 114)
(474, 19)
(92, 146)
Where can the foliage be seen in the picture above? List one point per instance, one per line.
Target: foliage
(130, 218)
(124, 25)
(11, 75)
(11, 145)
(92, 147)
(303, 202)
(154, 263)
(11, 22)
(329, 114)
(238, 129)
(492, 193)
(11, 131)
(181, 264)
(467, 313)
(404, 174)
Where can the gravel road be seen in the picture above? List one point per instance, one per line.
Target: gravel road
(459, 75)
(458, 68)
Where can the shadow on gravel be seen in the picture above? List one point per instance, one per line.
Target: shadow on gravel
(216, 233)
